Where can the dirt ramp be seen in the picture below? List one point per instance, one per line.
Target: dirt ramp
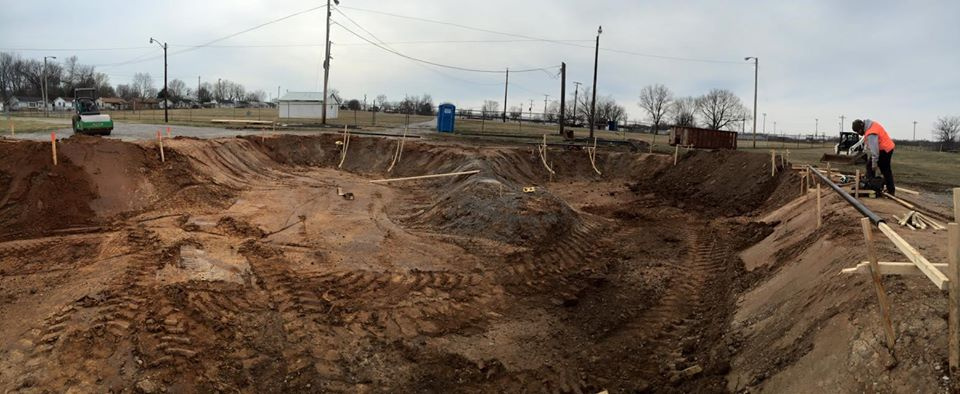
(36, 196)
(721, 183)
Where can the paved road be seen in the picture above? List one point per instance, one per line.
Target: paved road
(139, 131)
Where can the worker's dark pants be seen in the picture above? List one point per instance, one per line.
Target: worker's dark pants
(884, 163)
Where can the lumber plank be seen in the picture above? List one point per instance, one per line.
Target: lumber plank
(908, 191)
(409, 178)
(878, 282)
(904, 268)
(953, 320)
(938, 278)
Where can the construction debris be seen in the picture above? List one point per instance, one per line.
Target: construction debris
(346, 196)
(917, 221)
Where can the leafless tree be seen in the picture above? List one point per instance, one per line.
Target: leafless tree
(142, 86)
(683, 112)
(380, 101)
(656, 100)
(719, 108)
(947, 131)
(177, 90)
(490, 107)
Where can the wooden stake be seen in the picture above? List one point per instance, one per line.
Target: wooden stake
(676, 152)
(53, 146)
(956, 205)
(953, 273)
(819, 208)
(168, 132)
(160, 142)
(878, 282)
(773, 163)
(856, 186)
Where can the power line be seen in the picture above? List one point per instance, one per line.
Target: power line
(140, 59)
(559, 42)
(72, 49)
(430, 68)
(439, 64)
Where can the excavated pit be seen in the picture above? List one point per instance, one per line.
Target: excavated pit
(236, 266)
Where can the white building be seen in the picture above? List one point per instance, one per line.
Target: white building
(306, 105)
(63, 104)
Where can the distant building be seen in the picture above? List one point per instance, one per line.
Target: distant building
(308, 105)
(25, 103)
(112, 103)
(63, 104)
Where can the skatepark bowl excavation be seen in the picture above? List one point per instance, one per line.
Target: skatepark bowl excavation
(238, 264)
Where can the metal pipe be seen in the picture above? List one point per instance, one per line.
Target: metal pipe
(874, 218)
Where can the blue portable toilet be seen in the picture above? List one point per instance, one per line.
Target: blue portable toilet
(445, 116)
(612, 125)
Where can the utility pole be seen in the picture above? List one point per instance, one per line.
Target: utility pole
(166, 93)
(914, 131)
(816, 127)
(364, 101)
(198, 92)
(576, 89)
(756, 71)
(326, 65)
(278, 97)
(45, 111)
(842, 118)
(764, 123)
(506, 84)
(563, 95)
(593, 103)
(545, 98)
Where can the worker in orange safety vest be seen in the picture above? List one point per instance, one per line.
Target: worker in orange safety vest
(879, 146)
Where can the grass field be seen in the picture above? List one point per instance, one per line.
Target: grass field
(27, 125)
(203, 117)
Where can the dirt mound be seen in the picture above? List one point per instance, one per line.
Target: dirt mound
(36, 196)
(720, 183)
(484, 207)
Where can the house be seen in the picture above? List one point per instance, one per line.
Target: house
(165, 104)
(63, 104)
(112, 103)
(25, 103)
(307, 105)
(147, 103)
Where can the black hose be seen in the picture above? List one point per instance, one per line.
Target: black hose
(850, 199)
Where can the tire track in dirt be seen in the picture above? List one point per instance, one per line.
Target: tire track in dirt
(665, 330)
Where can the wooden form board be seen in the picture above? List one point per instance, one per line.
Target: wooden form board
(938, 278)
(891, 268)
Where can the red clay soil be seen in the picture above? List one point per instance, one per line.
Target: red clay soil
(237, 266)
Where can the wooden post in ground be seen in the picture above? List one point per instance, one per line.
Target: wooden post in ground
(953, 273)
(878, 283)
(676, 151)
(168, 132)
(773, 163)
(160, 142)
(819, 208)
(828, 171)
(856, 185)
(956, 205)
(803, 182)
(53, 146)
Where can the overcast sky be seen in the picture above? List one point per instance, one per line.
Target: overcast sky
(892, 61)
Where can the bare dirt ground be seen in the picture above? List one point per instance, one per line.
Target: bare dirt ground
(237, 266)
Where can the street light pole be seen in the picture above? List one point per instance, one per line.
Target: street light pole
(756, 72)
(593, 103)
(45, 111)
(914, 131)
(326, 64)
(764, 123)
(166, 93)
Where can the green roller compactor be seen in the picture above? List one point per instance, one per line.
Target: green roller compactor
(88, 119)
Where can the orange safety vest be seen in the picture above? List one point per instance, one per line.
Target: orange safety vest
(883, 139)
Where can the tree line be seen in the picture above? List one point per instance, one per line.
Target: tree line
(413, 105)
(25, 77)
